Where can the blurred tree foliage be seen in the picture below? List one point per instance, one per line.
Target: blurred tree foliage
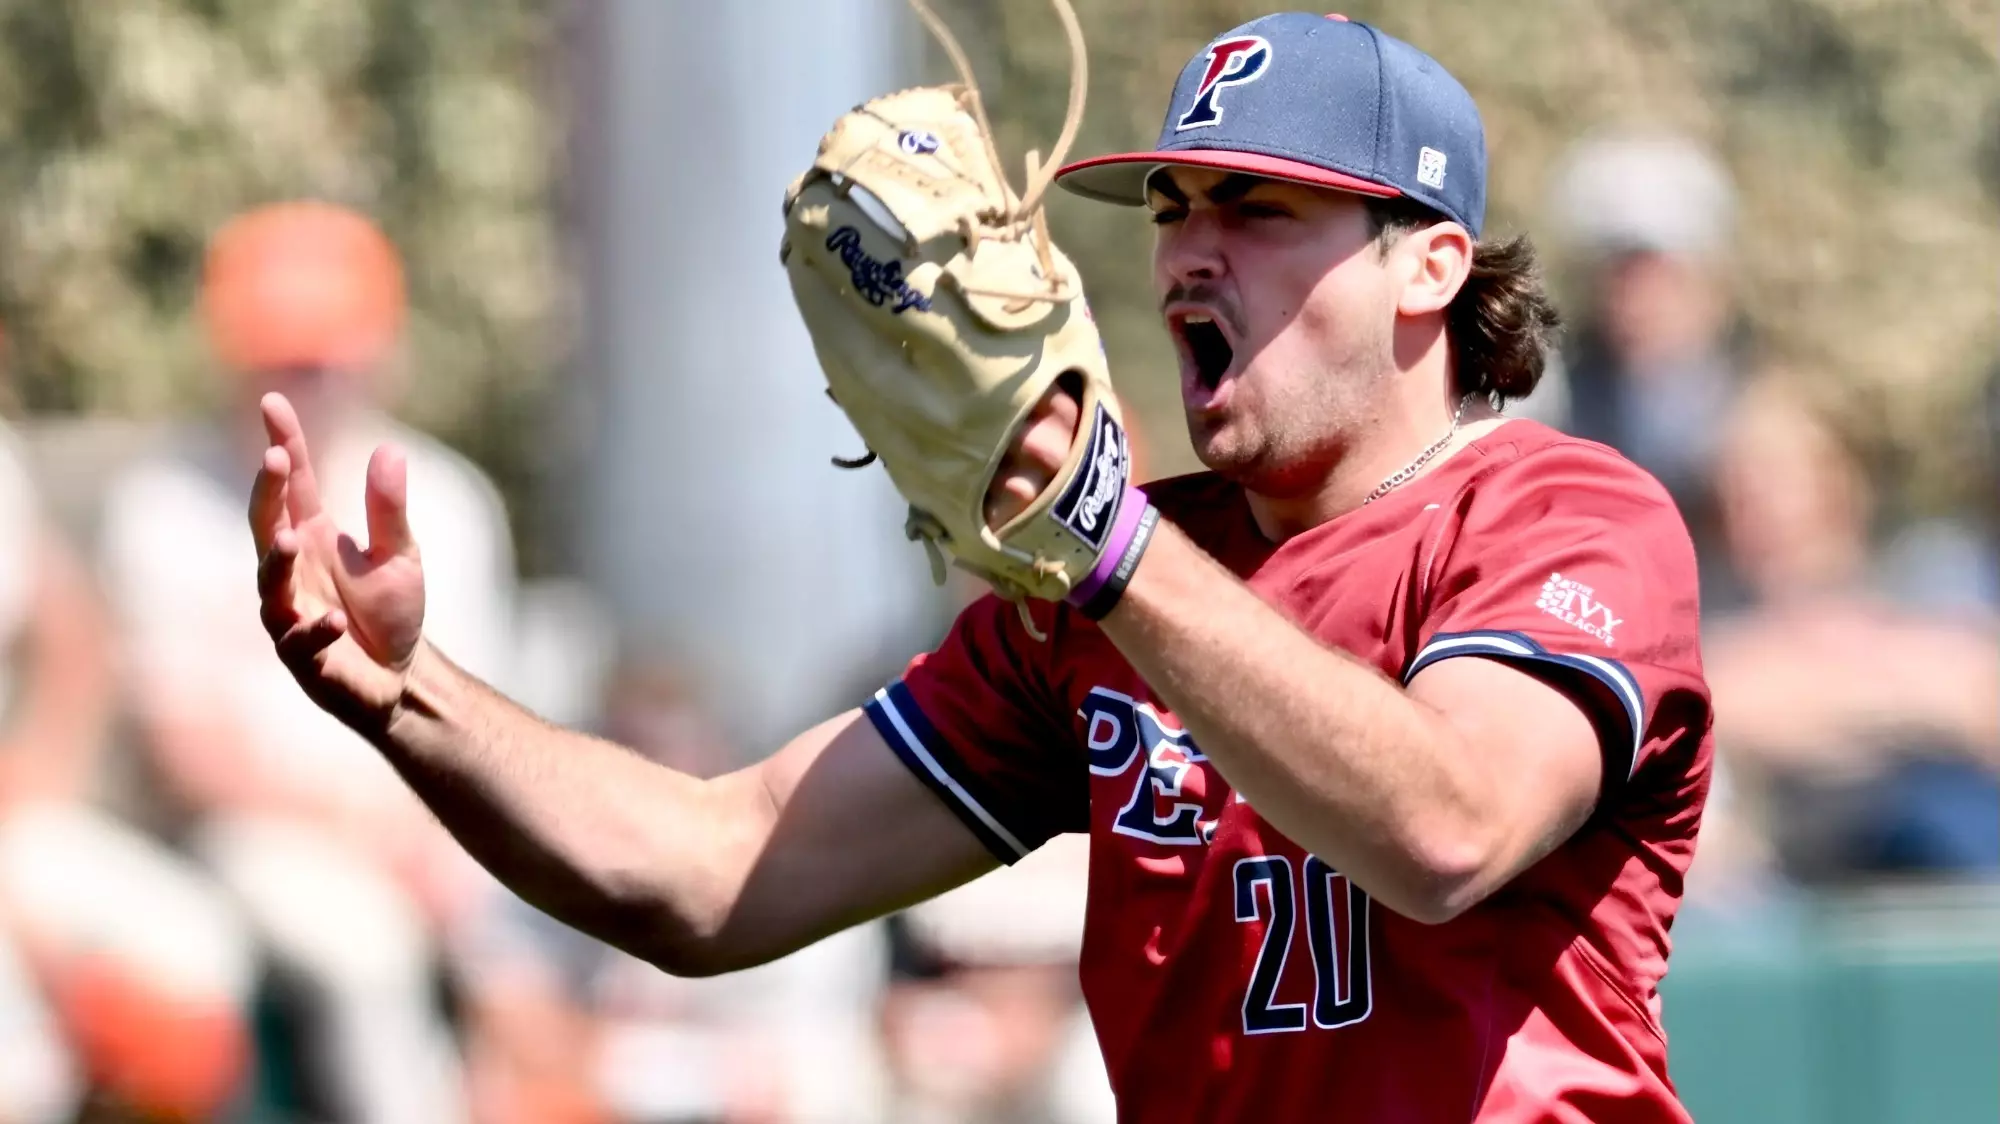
(1864, 137)
(131, 129)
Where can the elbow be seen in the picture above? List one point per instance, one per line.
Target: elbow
(688, 918)
(1437, 906)
(689, 936)
(688, 961)
(1445, 874)
(694, 955)
(633, 916)
(668, 943)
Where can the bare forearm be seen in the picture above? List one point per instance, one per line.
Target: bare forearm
(1335, 756)
(629, 851)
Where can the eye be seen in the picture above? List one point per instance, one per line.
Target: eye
(1263, 210)
(1167, 215)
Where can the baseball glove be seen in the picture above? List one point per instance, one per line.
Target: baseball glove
(941, 313)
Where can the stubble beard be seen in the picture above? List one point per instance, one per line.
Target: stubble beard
(1288, 447)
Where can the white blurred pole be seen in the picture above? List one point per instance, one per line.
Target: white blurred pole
(714, 524)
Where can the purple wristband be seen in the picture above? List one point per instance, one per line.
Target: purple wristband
(1131, 507)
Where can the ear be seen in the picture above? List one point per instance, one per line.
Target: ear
(1435, 262)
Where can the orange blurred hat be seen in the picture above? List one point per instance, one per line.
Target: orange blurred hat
(302, 284)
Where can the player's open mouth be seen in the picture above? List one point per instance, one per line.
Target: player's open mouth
(1204, 345)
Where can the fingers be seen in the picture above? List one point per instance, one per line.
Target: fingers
(267, 499)
(388, 503)
(281, 425)
(1037, 455)
(1010, 495)
(274, 570)
(1051, 432)
(298, 642)
(302, 643)
(274, 580)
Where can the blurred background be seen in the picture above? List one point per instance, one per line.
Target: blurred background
(535, 240)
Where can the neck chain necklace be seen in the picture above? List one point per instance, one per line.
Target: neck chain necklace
(1403, 475)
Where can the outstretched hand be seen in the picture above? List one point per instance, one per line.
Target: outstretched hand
(346, 619)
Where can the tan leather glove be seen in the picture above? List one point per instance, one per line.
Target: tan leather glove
(941, 313)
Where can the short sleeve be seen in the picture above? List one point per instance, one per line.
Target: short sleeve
(1574, 565)
(975, 720)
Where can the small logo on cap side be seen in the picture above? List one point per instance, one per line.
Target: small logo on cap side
(1231, 62)
(1430, 169)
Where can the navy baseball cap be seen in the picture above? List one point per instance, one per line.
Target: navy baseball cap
(1321, 100)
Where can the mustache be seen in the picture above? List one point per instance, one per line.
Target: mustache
(1208, 294)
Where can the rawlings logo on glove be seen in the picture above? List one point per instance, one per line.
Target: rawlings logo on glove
(877, 281)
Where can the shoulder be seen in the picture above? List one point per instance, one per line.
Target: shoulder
(1527, 450)
(1532, 479)
(1544, 507)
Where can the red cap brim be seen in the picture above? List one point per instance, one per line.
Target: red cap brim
(1122, 178)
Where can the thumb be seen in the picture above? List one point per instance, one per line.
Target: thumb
(388, 504)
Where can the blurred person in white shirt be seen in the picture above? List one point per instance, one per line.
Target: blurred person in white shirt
(351, 885)
(124, 976)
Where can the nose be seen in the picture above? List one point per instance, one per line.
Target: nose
(1190, 250)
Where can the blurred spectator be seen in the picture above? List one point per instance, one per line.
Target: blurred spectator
(1950, 561)
(984, 1022)
(38, 1080)
(1653, 360)
(791, 1042)
(1862, 733)
(123, 973)
(352, 887)
(37, 1083)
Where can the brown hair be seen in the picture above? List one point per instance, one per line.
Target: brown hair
(1502, 322)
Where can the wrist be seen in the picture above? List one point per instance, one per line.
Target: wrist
(1131, 533)
(415, 700)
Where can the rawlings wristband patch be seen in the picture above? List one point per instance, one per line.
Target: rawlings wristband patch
(1090, 503)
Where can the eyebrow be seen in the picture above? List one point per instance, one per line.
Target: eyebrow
(1228, 189)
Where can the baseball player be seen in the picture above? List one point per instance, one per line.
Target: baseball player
(1389, 731)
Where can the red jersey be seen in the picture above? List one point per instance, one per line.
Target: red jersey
(1233, 977)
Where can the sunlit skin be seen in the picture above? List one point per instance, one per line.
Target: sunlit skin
(1290, 277)
(1339, 345)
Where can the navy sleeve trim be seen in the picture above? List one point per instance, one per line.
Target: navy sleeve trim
(1519, 647)
(902, 724)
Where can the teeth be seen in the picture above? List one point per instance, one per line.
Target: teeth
(1196, 318)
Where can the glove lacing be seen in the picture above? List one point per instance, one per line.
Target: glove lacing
(921, 526)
